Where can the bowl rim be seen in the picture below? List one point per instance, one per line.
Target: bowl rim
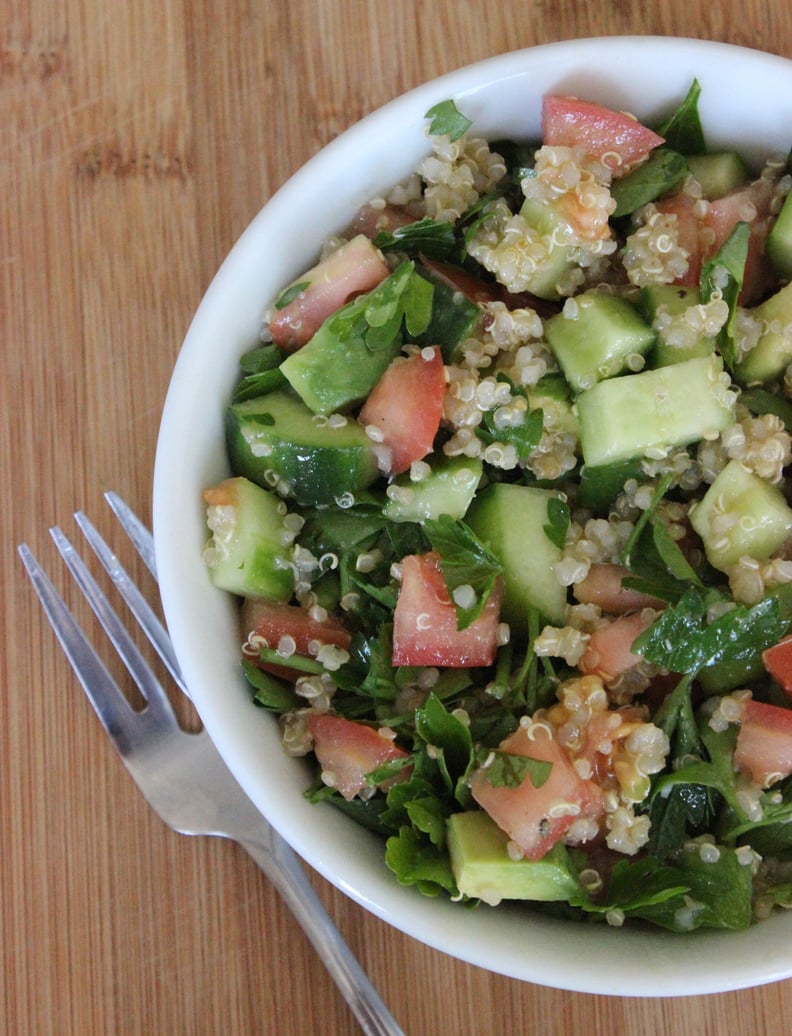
(677, 968)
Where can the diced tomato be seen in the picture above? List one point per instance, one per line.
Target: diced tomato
(609, 652)
(764, 743)
(425, 620)
(348, 751)
(749, 204)
(603, 587)
(614, 137)
(536, 818)
(703, 236)
(406, 405)
(778, 662)
(352, 269)
(277, 623)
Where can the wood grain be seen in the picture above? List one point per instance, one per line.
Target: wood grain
(138, 141)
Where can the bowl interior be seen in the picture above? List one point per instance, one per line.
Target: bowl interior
(645, 75)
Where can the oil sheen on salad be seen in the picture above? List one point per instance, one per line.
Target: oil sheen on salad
(509, 520)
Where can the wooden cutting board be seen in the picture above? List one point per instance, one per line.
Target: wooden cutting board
(137, 142)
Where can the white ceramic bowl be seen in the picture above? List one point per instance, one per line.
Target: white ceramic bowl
(746, 102)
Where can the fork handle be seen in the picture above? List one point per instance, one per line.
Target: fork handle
(281, 865)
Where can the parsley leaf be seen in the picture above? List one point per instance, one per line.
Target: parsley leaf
(451, 743)
(524, 437)
(465, 562)
(271, 693)
(402, 296)
(682, 641)
(682, 130)
(425, 237)
(291, 293)
(723, 274)
(416, 861)
(557, 521)
(505, 770)
(662, 170)
(446, 119)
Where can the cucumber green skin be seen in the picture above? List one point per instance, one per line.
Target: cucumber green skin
(773, 352)
(312, 464)
(779, 241)
(510, 520)
(252, 561)
(449, 489)
(484, 870)
(764, 519)
(624, 417)
(596, 342)
(718, 172)
(332, 374)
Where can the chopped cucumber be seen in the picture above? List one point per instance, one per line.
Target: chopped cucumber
(550, 223)
(659, 300)
(510, 520)
(636, 414)
(558, 411)
(773, 352)
(448, 489)
(779, 241)
(595, 336)
(741, 515)
(718, 172)
(484, 870)
(278, 443)
(246, 552)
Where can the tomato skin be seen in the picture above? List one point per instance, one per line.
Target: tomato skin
(613, 137)
(764, 743)
(425, 622)
(778, 663)
(526, 813)
(609, 652)
(272, 620)
(353, 269)
(603, 587)
(406, 405)
(349, 751)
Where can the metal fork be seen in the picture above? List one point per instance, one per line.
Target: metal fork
(181, 774)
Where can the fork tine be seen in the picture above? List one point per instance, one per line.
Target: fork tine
(136, 602)
(134, 661)
(141, 538)
(111, 707)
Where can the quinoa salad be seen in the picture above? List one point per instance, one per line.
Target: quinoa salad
(509, 520)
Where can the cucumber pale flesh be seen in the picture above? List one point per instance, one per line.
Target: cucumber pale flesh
(645, 414)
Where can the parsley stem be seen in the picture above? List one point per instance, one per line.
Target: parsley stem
(661, 489)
